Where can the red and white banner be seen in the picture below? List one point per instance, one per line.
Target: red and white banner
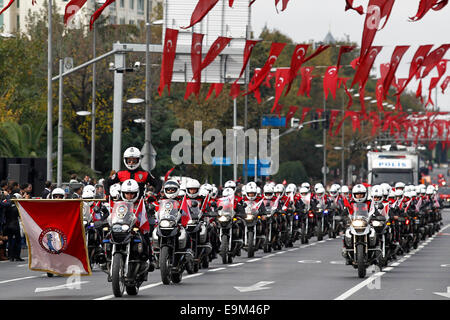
(55, 236)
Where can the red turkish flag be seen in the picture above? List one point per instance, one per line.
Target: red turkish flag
(376, 11)
(230, 3)
(217, 88)
(427, 5)
(296, 62)
(305, 85)
(333, 116)
(365, 66)
(196, 60)
(283, 4)
(444, 84)
(7, 6)
(343, 81)
(282, 76)
(318, 51)
(397, 56)
(417, 63)
(249, 45)
(433, 83)
(442, 67)
(379, 94)
(330, 81)
(275, 51)
(355, 63)
(434, 58)
(72, 8)
(269, 77)
(349, 6)
(290, 114)
(215, 49)
(56, 245)
(342, 50)
(419, 91)
(305, 111)
(170, 45)
(201, 10)
(98, 12)
(235, 90)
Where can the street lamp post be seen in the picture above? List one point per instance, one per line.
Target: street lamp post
(49, 95)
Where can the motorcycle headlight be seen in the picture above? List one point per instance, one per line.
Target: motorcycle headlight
(249, 217)
(84, 222)
(125, 227)
(223, 219)
(377, 223)
(359, 224)
(166, 224)
(116, 228)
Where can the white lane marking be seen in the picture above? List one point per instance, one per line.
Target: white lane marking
(216, 269)
(310, 261)
(269, 255)
(72, 285)
(256, 287)
(388, 269)
(362, 284)
(337, 262)
(236, 264)
(253, 260)
(18, 279)
(280, 252)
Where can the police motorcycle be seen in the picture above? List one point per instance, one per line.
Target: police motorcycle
(96, 228)
(128, 267)
(230, 228)
(379, 222)
(254, 231)
(270, 223)
(306, 215)
(321, 213)
(337, 222)
(197, 238)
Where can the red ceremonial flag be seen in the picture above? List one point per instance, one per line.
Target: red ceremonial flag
(397, 56)
(215, 49)
(333, 116)
(444, 84)
(72, 8)
(349, 6)
(257, 95)
(296, 62)
(217, 88)
(168, 58)
(427, 5)
(305, 85)
(365, 66)
(376, 11)
(419, 91)
(235, 90)
(379, 94)
(305, 111)
(319, 50)
(290, 114)
(281, 76)
(417, 63)
(269, 77)
(55, 236)
(249, 45)
(7, 6)
(342, 50)
(259, 77)
(330, 81)
(98, 12)
(355, 63)
(141, 215)
(185, 214)
(166, 177)
(442, 67)
(201, 10)
(343, 81)
(434, 58)
(433, 83)
(230, 3)
(283, 4)
(196, 61)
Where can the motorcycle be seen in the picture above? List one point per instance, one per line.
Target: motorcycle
(170, 242)
(379, 224)
(128, 267)
(96, 230)
(197, 238)
(271, 227)
(230, 233)
(337, 223)
(253, 233)
(360, 241)
(321, 222)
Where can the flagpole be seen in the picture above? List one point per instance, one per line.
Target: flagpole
(147, 136)
(49, 96)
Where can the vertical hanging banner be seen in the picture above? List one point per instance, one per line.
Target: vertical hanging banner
(196, 61)
(349, 6)
(281, 76)
(305, 85)
(55, 236)
(362, 73)
(427, 5)
(71, 9)
(397, 56)
(444, 84)
(169, 53)
(201, 10)
(296, 62)
(330, 81)
(417, 63)
(249, 45)
(434, 58)
(215, 49)
(290, 114)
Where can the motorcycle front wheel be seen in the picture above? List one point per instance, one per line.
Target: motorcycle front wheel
(360, 261)
(224, 248)
(165, 265)
(251, 246)
(118, 284)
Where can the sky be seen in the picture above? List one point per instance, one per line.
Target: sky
(305, 20)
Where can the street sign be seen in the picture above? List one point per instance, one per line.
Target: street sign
(217, 161)
(263, 167)
(273, 121)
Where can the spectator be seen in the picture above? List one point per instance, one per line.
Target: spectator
(3, 238)
(12, 228)
(86, 180)
(48, 190)
(25, 190)
(99, 192)
(77, 191)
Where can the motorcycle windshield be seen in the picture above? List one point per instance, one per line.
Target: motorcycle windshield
(194, 211)
(123, 213)
(252, 207)
(86, 212)
(360, 211)
(168, 210)
(227, 204)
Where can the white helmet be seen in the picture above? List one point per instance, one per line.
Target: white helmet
(306, 185)
(399, 185)
(230, 184)
(304, 192)
(334, 190)
(279, 188)
(258, 191)
(214, 192)
(430, 190)
(171, 189)
(132, 153)
(114, 191)
(203, 192)
(377, 194)
(59, 193)
(227, 192)
(268, 192)
(251, 190)
(317, 185)
(398, 193)
(192, 188)
(88, 194)
(129, 186)
(320, 192)
(345, 189)
(89, 187)
(386, 188)
(291, 188)
(359, 189)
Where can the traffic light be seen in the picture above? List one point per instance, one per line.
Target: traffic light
(326, 123)
(314, 117)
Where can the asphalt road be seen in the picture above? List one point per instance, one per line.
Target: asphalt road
(315, 271)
